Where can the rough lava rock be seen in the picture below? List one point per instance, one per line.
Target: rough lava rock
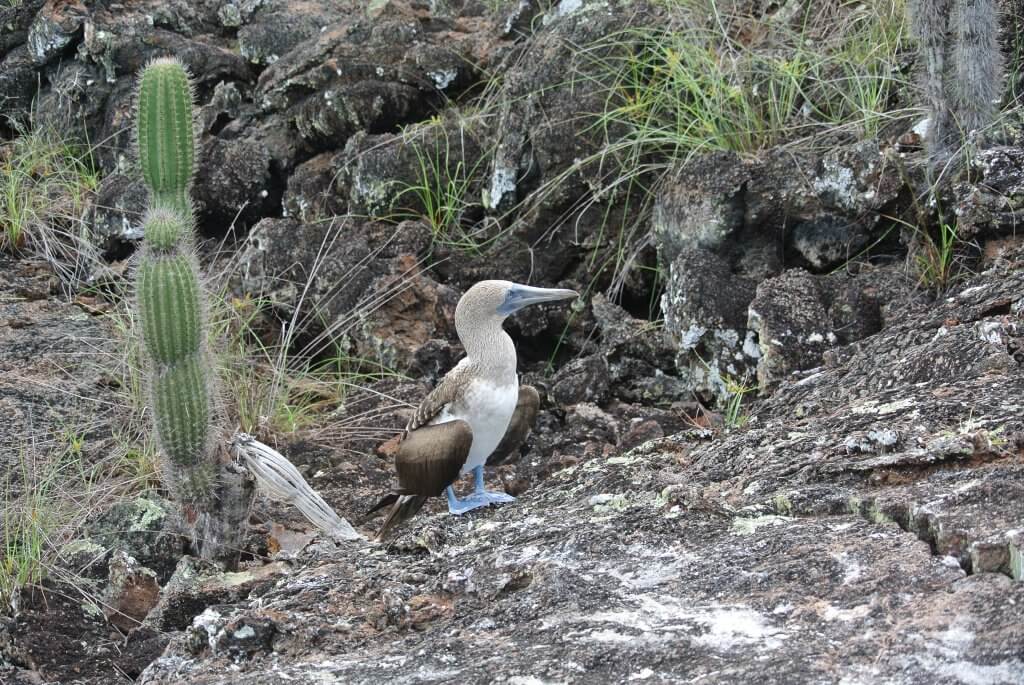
(196, 585)
(132, 592)
(797, 316)
(989, 204)
(117, 211)
(705, 306)
(328, 90)
(272, 29)
(362, 281)
(233, 181)
(872, 509)
(640, 356)
(825, 208)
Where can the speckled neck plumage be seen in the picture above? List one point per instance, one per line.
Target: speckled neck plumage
(488, 347)
(490, 351)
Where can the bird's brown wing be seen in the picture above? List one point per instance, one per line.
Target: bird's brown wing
(429, 458)
(519, 426)
(445, 393)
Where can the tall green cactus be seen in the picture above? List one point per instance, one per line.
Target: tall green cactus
(169, 297)
(171, 306)
(165, 133)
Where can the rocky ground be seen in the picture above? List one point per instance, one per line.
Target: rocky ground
(767, 451)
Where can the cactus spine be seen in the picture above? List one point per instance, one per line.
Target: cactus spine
(976, 81)
(169, 297)
(962, 70)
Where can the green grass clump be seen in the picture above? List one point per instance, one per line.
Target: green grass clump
(27, 523)
(45, 500)
(277, 387)
(935, 257)
(445, 193)
(681, 90)
(733, 415)
(46, 180)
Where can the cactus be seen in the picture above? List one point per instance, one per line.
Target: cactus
(976, 80)
(929, 19)
(168, 295)
(165, 133)
(171, 306)
(962, 70)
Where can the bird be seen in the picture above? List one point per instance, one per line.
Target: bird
(477, 411)
(519, 427)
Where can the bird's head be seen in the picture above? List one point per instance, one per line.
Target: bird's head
(493, 301)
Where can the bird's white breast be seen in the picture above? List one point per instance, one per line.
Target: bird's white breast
(488, 409)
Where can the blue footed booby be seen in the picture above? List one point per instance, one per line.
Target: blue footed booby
(477, 411)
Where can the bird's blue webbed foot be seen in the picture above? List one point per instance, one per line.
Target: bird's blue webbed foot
(479, 498)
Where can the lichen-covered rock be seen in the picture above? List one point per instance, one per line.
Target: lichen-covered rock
(15, 20)
(828, 240)
(143, 528)
(17, 82)
(705, 307)
(42, 335)
(196, 585)
(131, 593)
(85, 55)
(121, 39)
(283, 258)
(798, 317)
(225, 106)
(825, 208)
(243, 638)
(116, 216)
(521, 262)
(989, 204)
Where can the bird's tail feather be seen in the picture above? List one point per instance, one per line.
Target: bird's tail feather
(387, 499)
(403, 509)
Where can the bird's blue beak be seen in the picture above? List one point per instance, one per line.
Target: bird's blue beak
(520, 296)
